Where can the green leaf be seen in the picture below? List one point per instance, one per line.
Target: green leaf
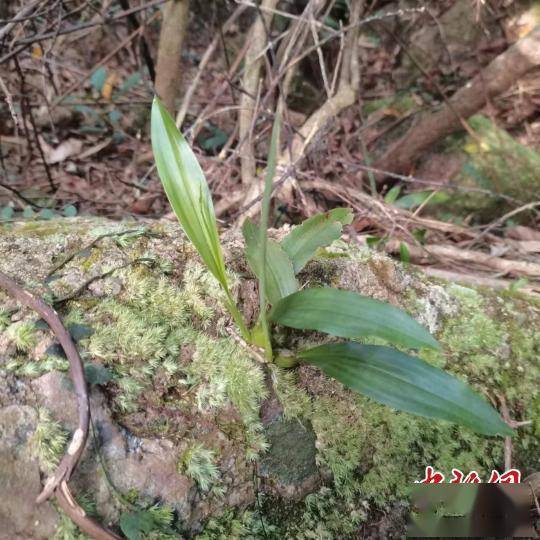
(97, 79)
(406, 383)
(404, 253)
(214, 140)
(280, 281)
(46, 214)
(97, 374)
(6, 212)
(135, 524)
(69, 211)
(374, 241)
(350, 315)
(79, 331)
(392, 195)
(412, 200)
(188, 193)
(186, 189)
(133, 80)
(28, 213)
(420, 235)
(115, 116)
(319, 231)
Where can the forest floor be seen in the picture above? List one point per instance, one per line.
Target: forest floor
(76, 137)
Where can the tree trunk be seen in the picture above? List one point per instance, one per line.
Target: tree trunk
(171, 40)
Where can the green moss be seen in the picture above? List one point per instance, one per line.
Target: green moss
(498, 163)
(168, 342)
(199, 464)
(232, 525)
(23, 335)
(5, 318)
(49, 440)
(66, 529)
(24, 367)
(143, 333)
(40, 229)
(88, 262)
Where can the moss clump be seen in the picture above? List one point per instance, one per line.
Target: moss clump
(23, 335)
(24, 367)
(178, 373)
(498, 163)
(49, 440)
(199, 464)
(169, 349)
(232, 525)
(5, 319)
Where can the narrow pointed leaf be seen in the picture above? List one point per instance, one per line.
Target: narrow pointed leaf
(267, 291)
(280, 280)
(186, 189)
(350, 315)
(316, 232)
(406, 383)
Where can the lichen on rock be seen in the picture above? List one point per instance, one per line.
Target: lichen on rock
(180, 417)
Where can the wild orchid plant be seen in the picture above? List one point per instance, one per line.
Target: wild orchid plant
(384, 374)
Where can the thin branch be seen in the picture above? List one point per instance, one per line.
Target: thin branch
(23, 13)
(9, 101)
(48, 173)
(145, 50)
(102, 62)
(202, 65)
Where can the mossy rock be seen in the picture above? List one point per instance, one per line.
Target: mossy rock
(182, 414)
(493, 161)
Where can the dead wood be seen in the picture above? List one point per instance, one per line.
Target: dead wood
(430, 252)
(254, 59)
(477, 280)
(497, 77)
(344, 97)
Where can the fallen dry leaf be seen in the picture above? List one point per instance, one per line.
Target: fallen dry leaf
(67, 149)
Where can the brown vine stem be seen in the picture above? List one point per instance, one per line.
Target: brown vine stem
(57, 484)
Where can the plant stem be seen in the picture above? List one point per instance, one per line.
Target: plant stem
(237, 316)
(263, 238)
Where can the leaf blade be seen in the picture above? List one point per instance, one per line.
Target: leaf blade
(186, 189)
(406, 383)
(318, 231)
(350, 315)
(280, 281)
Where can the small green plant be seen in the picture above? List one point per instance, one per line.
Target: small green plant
(382, 373)
(23, 335)
(197, 462)
(49, 440)
(155, 522)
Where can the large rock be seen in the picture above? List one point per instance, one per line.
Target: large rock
(20, 478)
(186, 417)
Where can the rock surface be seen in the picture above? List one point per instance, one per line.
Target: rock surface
(185, 417)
